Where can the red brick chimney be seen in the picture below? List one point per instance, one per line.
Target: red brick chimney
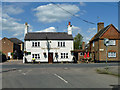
(83, 45)
(100, 26)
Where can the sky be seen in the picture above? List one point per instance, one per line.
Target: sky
(54, 17)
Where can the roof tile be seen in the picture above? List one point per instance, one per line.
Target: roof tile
(48, 35)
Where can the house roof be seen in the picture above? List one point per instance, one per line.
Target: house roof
(101, 32)
(48, 36)
(15, 40)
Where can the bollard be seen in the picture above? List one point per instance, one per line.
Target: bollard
(39, 62)
(61, 62)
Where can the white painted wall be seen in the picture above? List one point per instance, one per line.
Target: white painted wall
(43, 48)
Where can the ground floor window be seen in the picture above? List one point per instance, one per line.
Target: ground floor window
(111, 54)
(64, 55)
(36, 56)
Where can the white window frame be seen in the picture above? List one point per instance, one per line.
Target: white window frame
(35, 44)
(61, 44)
(37, 57)
(112, 42)
(112, 54)
(64, 56)
(61, 55)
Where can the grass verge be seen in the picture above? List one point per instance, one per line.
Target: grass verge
(105, 71)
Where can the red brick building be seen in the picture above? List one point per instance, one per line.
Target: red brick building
(97, 47)
(79, 53)
(12, 47)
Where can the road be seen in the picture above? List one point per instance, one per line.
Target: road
(56, 76)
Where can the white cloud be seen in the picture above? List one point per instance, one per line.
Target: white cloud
(91, 30)
(83, 12)
(89, 34)
(76, 30)
(51, 13)
(11, 9)
(16, 34)
(82, 4)
(50, 29)
(10, 24)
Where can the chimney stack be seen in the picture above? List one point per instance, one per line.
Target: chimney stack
(100, 26)
(83, 45)
(69, 29)
(26, 28)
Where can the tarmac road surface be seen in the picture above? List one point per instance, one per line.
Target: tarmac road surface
(56, 76)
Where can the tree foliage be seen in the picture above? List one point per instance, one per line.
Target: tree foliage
(78, 41)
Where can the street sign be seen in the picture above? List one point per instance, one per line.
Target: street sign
(106, 41)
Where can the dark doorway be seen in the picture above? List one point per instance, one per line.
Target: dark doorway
(75, 57)
(50, 57)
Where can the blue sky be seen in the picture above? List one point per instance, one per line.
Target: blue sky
(46, 16)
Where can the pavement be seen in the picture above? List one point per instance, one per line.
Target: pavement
(12, 62)
(18, 75)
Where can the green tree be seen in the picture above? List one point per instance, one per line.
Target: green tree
(78, 41)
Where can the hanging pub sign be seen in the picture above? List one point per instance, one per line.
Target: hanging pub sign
(45, 55)
(56, 55)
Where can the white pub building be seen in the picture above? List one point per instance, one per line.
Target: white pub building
(48, 46)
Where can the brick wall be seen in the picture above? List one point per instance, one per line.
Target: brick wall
(94, 50)
(7, 46)
(102, 52)
(119, 50)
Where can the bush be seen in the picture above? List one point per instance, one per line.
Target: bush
(2, 57)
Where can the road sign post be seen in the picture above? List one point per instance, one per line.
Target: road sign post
(106, 54)
(106, 43)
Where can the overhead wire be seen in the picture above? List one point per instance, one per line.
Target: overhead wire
(72, 13)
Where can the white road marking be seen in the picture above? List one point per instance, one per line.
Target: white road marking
(26, 72)
(65, 68)
(19, 70)
(61, 78)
